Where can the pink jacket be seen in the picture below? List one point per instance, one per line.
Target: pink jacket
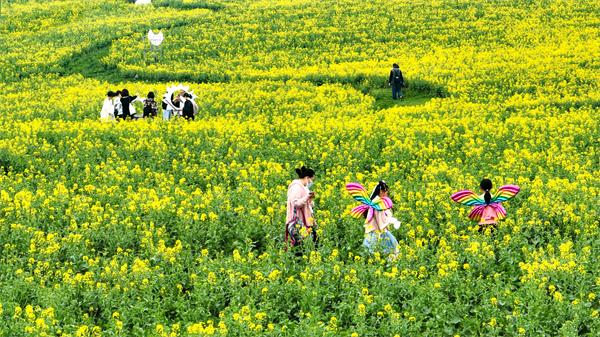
(379, 222)
(297, 193)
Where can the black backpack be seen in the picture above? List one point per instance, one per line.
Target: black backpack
(396, 76)
(148, 108)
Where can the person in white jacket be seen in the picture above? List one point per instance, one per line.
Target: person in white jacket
(108, 108)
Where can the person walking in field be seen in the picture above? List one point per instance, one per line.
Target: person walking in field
(300, 219)
(487, 208)
(376, 211)
(396, 81)
(108, 109)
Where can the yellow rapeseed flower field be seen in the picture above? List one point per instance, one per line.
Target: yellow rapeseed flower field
(155, 228)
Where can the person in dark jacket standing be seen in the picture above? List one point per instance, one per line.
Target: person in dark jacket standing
(396, 81)
(125, 101)
(188, 107)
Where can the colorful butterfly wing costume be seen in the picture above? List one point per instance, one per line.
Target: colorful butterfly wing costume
(358, 192)
(469, 198)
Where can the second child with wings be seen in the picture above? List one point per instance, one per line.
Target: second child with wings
(376, 211)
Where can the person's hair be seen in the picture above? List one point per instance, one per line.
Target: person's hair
(486, 185)
(151, 95)
(381, 187)
(110, 94)
(395, 65)
(304, 172)
(186, 95)
(118, 93)
(125, 92)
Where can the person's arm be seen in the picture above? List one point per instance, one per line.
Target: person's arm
(391, 77)
(195, 108)
(177, 107)
(401, 78)
(297, 196)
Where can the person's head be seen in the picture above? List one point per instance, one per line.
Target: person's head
(486, 186)
(396, 65)
(186, 95)
(381, 190)
(110, 94)
(305, 175)
(182, 92)
(151, 95)
(125, 92)
(118, 93)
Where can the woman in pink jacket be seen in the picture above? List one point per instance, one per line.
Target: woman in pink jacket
(299, 193)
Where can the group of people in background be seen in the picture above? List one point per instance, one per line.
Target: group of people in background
(119, 106)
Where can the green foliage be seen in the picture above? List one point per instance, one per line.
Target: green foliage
(182, 4)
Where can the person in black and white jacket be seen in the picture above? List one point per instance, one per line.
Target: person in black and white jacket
(118, 106)
(126, 101)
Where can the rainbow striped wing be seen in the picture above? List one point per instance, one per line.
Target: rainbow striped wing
(467, 198)
(382, 204)
(370, 214)
(358, 192)
(500, 211)
(476, 213)
(504, 193)
(358, 211)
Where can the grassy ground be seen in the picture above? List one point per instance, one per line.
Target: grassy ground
(89, 65)
(383, 98)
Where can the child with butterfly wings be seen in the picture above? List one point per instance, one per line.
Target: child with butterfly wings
(487, 208)
(377, 214)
